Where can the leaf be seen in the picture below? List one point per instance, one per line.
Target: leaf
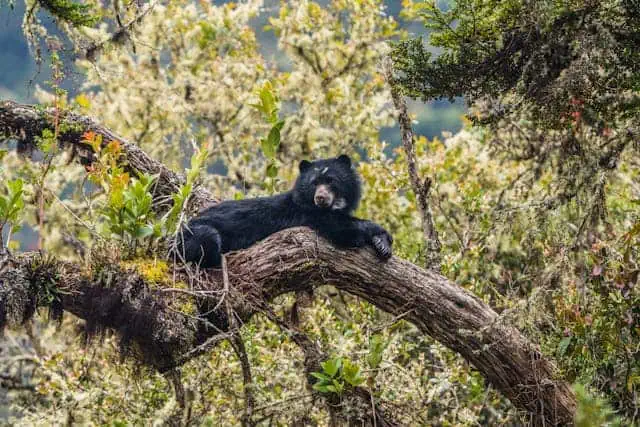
(564, 345)
(355, 381)
(332, 366)
(268, 102)
(322, 388)
(272, 170)
(274, 137)
(267, 98)
(320, 376)
(377, 345)
(268, 149)
(93, 140)
(351, 373)
(337, 387)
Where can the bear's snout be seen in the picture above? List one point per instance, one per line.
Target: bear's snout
(323, 197)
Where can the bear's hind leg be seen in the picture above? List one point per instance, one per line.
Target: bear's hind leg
(202, 245)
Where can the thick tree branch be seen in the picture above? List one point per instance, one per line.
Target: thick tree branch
(155, 327)
(297, 259)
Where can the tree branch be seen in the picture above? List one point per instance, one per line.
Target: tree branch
(121, 34)
(154, 328)
(25, 123)
(419, 187)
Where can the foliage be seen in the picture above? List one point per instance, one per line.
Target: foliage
(268, 106)
(11, 206)
(336, 374)
(127, 211)
(556, 83)
(535, 200)
(525, 55)
(176, 215)
(77, 14)
(592, 411)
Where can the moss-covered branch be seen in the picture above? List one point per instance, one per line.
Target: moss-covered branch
(25, 123)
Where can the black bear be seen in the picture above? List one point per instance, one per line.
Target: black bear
(325, 194)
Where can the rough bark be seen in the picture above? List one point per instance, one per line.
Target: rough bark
(292, 260)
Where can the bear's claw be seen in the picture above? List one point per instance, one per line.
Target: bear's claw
(382, 245)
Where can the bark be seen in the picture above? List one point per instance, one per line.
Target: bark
(151, 328)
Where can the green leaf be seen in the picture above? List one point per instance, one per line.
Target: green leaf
(268, 148)
(268, 100)
(564, 345)
(332, 366)
(351, 373)
(337, 387)
(272, 170)
(377, 345)
(15, 186)
(322, 388)
(320, 376)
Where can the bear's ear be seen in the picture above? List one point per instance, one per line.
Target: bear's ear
(345, 160)
(304, 165)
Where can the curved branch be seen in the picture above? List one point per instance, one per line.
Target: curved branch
(26, 123)
(297, 259)
(155, 329)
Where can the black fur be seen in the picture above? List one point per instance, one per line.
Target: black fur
(325, 194)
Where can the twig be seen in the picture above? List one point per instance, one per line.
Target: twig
(121, 34)
(247, 379)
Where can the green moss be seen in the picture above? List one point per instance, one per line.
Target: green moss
(73, 13)
(154, 272)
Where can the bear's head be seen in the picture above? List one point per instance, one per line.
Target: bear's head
(331, 184)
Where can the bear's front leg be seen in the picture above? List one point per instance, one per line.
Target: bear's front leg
(349, 232)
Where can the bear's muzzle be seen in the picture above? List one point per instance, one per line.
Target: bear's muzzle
(323, 197)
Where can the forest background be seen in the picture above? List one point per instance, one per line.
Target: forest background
(529, 202)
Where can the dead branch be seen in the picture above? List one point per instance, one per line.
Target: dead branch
(421, 188)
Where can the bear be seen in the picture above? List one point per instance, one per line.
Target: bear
(324, 196)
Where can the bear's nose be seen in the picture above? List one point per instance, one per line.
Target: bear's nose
(321, 200)
(322, 197)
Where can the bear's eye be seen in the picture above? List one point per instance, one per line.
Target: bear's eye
(328, 179)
